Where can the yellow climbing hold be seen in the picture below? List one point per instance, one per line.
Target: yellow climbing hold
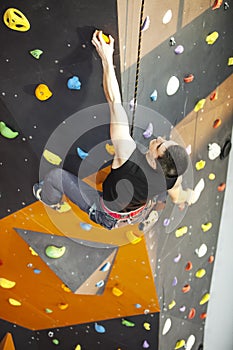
(117, 292)
(199, 105)
(42, 92)
(146, 325)
(64, 207)
(211, 38)
(211, 176)
(205, 298)
(230, 61)
(206, 227)
(65, 288)
(52, 157)
(200, 273)
(172, 304)
(110, 149)
(54, 252)
(181, 231)
(200, 165)
(33, 251)
(63, 306)
(15, 20)
(133, 239)
(14, 302)
(7, 284)
(180, 344)
(78, 347)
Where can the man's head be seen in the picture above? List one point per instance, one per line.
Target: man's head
(172, 157)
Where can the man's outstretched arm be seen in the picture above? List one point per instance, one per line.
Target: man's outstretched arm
(119, 125)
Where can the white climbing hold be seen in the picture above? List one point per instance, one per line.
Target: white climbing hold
(214, 150)
(131, 104)
(167, 17)
(201, 251)
(190, 342)
(146, 24)
(167, 326)
(172, 85)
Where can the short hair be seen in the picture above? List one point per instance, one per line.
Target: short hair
(174, 161)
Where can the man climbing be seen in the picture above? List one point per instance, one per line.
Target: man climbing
(136, 180)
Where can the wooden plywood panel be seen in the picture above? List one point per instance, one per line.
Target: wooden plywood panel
(193, 9)
(7, 343)
(131, 274)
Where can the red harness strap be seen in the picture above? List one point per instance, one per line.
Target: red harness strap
(119, 216)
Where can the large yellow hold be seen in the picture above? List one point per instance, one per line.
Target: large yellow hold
(15, 20)
(42, 92)
(52, 157)
(7, 284)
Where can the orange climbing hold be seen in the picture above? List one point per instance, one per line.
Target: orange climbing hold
(186, 288)
(221, 187)
(211, 259)
(217, 4)
(217, 123)
(203, 315)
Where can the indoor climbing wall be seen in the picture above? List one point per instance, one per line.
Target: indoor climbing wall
(64, 281)
(185, 77)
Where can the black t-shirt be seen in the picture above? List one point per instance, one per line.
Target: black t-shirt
(131, 185)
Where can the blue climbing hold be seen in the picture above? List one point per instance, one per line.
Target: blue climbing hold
(82, 154)
(106, 267)
(99, 328)
(74, 83)
(85, 226)
(154, 95)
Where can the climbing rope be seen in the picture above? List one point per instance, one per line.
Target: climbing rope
(137, 67)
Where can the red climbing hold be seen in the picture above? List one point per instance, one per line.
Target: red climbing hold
(203, 315)
(188, 78)
(214, 96)
(192, 313)
(189, 266)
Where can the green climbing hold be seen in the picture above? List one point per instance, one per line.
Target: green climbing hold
(48, 311)
(7, 132)
(55, 341)
(127, 323)
(36, 53)
(55, 252)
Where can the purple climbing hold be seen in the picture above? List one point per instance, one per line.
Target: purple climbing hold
(166, 222)
(149, 131)
(145, 344)
(182, 308)
(174, 282)
(177, 258)
(179, 49)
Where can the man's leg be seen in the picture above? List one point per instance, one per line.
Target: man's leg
(58, 182)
